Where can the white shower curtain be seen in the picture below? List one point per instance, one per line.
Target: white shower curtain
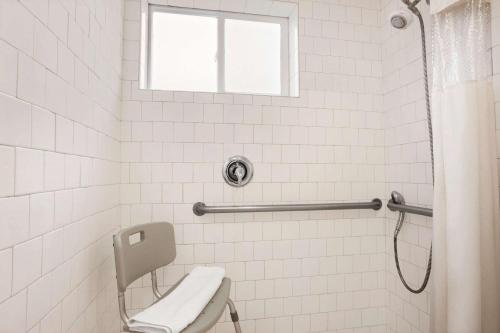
(441, 5)
(466, 232)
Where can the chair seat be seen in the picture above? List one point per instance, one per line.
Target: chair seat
(212, 312)
(154, 249)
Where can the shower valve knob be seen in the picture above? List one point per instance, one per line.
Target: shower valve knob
(237, 171)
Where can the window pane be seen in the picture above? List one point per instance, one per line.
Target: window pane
(253, 57)
(183, 52)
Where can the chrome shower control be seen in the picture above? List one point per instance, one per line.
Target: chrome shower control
(237, 171)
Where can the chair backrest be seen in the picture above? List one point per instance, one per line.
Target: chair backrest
(142, 249)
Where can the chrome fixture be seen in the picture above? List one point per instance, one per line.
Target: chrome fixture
(397, 204)
(400, 19)
(200, 208)
(237, 171)
(397, 200)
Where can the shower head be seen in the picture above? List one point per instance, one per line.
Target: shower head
(400, 19)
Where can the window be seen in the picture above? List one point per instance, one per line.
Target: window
(183, 52)
(215, 51)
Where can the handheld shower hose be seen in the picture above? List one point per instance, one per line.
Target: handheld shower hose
(396, 197)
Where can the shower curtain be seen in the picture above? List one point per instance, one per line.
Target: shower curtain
(441, 5)
(466, 232)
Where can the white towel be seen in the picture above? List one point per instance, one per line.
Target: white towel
(180, 308)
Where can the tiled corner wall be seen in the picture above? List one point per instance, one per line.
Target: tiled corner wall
(408, 168)
(60, 170)
(60, 65)
(291, 272)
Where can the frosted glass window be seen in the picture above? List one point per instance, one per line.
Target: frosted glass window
(253, 56)
(183, 54)
(186, 49)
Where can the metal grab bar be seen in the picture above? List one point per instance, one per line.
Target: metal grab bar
(409, 209)
(200, 208)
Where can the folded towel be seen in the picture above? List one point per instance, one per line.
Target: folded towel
(180, 308)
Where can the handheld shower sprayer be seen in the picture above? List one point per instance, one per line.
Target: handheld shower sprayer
(397, 198)
(399, 21)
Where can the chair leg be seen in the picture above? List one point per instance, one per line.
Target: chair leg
(234, 316)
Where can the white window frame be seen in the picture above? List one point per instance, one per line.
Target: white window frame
(149, 8)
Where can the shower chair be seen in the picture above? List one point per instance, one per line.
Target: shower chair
(153, 248)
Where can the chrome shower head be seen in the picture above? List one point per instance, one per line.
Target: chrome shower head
(398, 22)
(400, 19)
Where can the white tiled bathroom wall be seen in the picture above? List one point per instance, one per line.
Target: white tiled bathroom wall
(408, 167)
(300, 272)
(60, 68)
(68, 160)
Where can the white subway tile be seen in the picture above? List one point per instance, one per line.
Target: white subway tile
(53, 171)
(172, 193)
(15, 127)
(152, 152)
(204, 253)
(52, 250)
(13, 14)
(72, 171)
(7, 171)
(45, 46)
(183, 132)
(52, 322)
(142, 131)
(152, 111)
(40, 299)
(75, 38)
(27, 263)
(172, 111)
(42, 129)
(193, 112)
(58, 19)
(64, 135)
(14, 307)
(39, 8)
(41, 213)
(31, 81)
(63, 207)
(56, 94)
(14, 220)
(140, 173)
(8, 68)
(245, 290)
(213, 113)
(151, 193)
(83, 17)
(80, 140)
(29, 171)
(65, 63)
(5, 274)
